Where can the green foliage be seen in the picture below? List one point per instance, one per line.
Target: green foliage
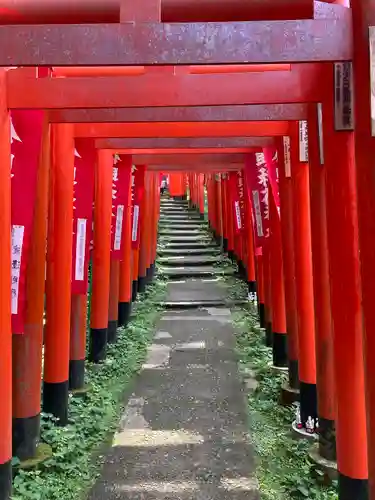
(77, 448)
(284, 471)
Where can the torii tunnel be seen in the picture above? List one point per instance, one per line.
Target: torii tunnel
(258, 118)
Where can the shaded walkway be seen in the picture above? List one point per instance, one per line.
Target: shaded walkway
(183, 434)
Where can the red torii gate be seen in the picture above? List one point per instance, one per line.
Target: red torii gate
(365, 184)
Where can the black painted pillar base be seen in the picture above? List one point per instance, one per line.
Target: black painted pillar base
(153, 270)
(269, 341)
(142, 282)
(6, 480)
(327, 439)
(352, 489)
(242, 270)
(201, 216)
(134, 290)
(124, 311)
(252, 287)
(98, 345)
(25, 437)
(280, 349)
(293, 374)
(112, 331)
(55, 400)
(225, 244)
(308, 401)
(262, 314)
(148, 275)
(76, 374)
(231, 255)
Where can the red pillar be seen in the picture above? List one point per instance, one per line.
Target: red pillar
(101, 257)
(59, 265)
(321, 281)
(125, 294)
(279, 337)
(78, 325)
(5, 294)
(286, 217)
(27, 348)
(303, 270)
(345, 285)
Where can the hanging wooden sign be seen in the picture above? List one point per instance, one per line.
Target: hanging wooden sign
(344, 96)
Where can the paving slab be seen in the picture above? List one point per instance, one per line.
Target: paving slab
(213, 249)
(194, 271)
(183, 434)
(188, 260)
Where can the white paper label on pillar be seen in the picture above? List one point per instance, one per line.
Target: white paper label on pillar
(303, 142)
(238, 214)
(287, 163)
(80, 250)
(118, 232)
(16, 255)
(135, 222)
(319, 112)
(344, 96)
(258, 214)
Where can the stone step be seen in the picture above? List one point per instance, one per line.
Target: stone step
(181, 227)
(181, 220)
(203, 251)
(194, 271)
(168, 204)
(182, 247)
(196, 238)
(182, 232)
(188, 260)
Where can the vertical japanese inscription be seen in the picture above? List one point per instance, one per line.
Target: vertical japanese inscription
(16, 255)
(344, 96)
(303, 142)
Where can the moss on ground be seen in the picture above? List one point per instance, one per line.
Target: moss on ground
(283, 469)
(77, 448)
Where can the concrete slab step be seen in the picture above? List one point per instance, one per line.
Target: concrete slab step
(182, 247)
(171, 226)
(188, 260)
(167, 251)
(204, 238)
(194, 271)
(182, 232)
(181, 220)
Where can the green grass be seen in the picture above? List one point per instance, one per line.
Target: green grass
(78, 447)
(283, 470)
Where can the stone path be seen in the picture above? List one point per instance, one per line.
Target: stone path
(183, 434)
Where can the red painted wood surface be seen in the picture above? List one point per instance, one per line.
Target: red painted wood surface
(242, 143)
(292, 86)
(188, 159)
(205, 129)
(254, 112)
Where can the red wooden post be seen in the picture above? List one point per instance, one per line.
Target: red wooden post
(286, 215)
(78, 326)
(303, 270)
(5, 294)
(125, 294)
(114, 294)
(59, 264)
(27, 348)
(345, 263)
(321, 281)
(279, 336)
(101, 257)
